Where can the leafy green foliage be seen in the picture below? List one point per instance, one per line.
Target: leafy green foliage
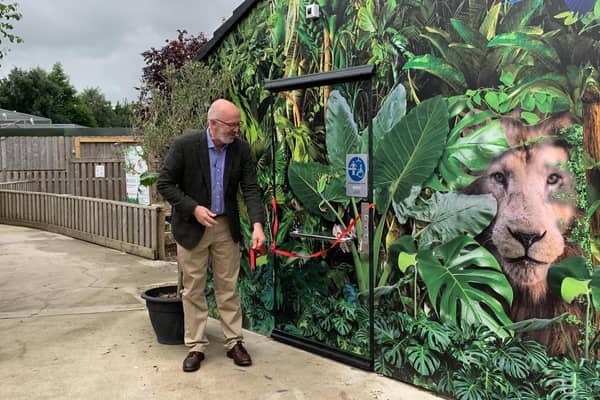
(470, 362)
(570, 278)
(318, 186)
(8, 13)
(455, 273)
(407, 156)
(105, 115)
(257, 297)
(467, 155)
(334, 322)
(566, 379)
(162, 114)
(45, 94)
(450, 215)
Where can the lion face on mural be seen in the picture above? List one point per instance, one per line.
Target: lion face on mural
(536, 207)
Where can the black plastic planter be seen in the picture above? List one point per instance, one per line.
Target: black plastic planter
(166, 314)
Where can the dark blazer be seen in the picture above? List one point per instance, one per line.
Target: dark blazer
(185, 183)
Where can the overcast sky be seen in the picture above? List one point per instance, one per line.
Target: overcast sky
(99, 42)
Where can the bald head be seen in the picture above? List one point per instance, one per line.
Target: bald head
(224, 122)
(224, 110)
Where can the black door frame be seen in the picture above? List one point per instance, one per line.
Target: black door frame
(347, 75)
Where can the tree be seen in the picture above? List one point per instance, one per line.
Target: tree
(8, 13)
(178, 103)
(175, 53)
(123, 114)
(100, 107)
(30, 92)
(45, 94)
(68, 108)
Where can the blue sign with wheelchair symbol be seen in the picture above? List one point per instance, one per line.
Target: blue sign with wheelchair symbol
(356, 175)
(357, 169)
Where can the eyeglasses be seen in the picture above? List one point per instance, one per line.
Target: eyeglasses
(229, 124)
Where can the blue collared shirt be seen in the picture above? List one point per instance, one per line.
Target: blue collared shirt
(217, 168)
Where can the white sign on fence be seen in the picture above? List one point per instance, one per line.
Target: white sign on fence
(99, 171)
(135, 166)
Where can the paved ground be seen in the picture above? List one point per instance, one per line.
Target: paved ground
(74, 327)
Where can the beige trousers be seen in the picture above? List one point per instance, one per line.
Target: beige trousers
(225, 254)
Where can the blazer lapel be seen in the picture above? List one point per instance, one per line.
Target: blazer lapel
(204, 160)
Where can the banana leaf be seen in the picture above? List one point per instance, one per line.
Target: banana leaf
(459, 276)
(469, 35)
(535, 47)
(490, 22)
(407, 156)
(438, 67)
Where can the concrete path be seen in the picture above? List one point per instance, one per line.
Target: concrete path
(72, 326)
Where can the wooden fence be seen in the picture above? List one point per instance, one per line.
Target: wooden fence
(132, 228)
(25, 186)
(78, 179)
(84, 182)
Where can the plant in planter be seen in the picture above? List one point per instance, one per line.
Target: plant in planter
(165, 110)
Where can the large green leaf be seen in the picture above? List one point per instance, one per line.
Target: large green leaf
(366, 19)
(569, 278)
(468, 35)
(520, 14)
(490, 22)
(317, 186)
(547, 83)
(342, 134)
(450, 215)
(533, 46)
(473, 152)
(535, 324)
(407, 156)
(389, 115)
(441, 69)
(460, 276)
(422, 359)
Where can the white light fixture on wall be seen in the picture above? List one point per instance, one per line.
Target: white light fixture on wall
(312, 11)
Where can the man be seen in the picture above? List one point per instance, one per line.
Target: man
(200, 179)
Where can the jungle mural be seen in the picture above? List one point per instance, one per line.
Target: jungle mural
(486, 283)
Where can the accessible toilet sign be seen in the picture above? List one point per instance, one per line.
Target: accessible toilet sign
(357, 184)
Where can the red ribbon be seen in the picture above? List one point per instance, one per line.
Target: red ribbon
(274, 250)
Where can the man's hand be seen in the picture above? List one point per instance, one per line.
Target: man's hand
(258, 236)
(204, 216)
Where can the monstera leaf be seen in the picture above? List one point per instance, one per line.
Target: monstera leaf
(407, 156)
(317, 186)
(472, 153)
(459, 276)
(450, 215)
(342, 134)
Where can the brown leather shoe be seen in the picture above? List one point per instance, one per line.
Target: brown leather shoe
(240, 355)
(192, 361)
